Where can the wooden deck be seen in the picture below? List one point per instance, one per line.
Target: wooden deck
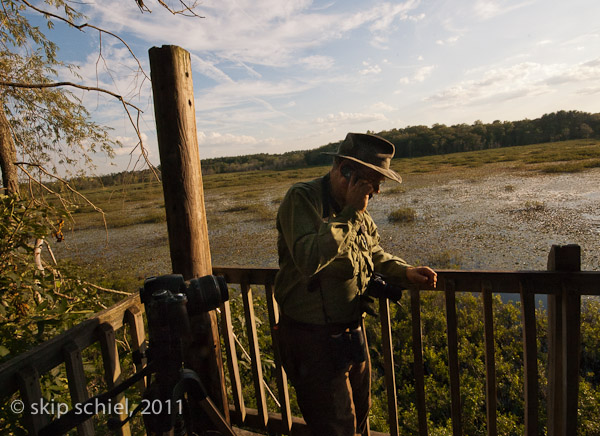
(563, 284)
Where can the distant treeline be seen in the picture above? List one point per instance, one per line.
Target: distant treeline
(413, 141)
(114, 179)
(410, 141)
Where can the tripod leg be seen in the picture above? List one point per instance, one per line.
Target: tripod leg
(216, 417)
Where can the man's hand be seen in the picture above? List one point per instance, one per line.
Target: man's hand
(357, 194)
(421, 275)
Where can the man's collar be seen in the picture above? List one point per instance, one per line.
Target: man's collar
(329, 203)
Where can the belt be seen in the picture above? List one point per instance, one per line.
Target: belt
(331, 328)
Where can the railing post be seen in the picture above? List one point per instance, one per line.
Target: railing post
(172, 88)
(564, 314)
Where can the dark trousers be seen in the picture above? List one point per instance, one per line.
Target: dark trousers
(334, 397)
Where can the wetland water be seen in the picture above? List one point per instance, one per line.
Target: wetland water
(498, 222)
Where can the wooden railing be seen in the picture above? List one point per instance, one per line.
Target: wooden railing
(22, 373)
(563, 283)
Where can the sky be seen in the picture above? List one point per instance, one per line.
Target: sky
(272, 76)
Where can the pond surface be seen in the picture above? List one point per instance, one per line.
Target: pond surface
(498, 222)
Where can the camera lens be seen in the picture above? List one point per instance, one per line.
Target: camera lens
(206, 293)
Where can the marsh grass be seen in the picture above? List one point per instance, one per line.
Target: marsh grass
(149, 217)
(534, 206)
(259, 211)
(394, 190)
(256, 194)
(565, 156)
(234, 209)
(402, 215)
(445, 259)
(571, 167)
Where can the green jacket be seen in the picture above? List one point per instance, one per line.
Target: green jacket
(327, 256)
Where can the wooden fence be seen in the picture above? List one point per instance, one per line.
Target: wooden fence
(563, 283)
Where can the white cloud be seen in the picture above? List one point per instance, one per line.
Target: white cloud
(423, 73)
(236, 94)
(318, 62)
(448, 41)
(345, 117)
(589, 91)
(216, 144)
(216, 138)
(369, 69)
(130, 143)
(382, 107)
(418, 76)
(486, 9)
(267, 32)
(517, 81)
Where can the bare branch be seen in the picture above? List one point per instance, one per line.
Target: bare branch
(186, 8)
(100, 288)
(66, 184)
(91, 26)
(74, 85)
(124, 102)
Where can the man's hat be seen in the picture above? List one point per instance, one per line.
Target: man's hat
(371, 151)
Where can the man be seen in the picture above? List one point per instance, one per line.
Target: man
(329, 252)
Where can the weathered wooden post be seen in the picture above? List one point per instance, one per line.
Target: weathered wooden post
(564, 315)
(172, 87)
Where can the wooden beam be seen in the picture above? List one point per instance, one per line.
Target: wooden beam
(530, 361)
(172, 88)
(77, 383)
(419, 368)
(453, 364)
(388, 365)
(490, 359)
(282, 380)
(257, 374)
(565, 259)
(31, 394)
(112, 370)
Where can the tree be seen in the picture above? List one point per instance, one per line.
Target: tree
(43, 125)
(42, 122)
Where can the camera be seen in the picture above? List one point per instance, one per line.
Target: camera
(203, 294)
(378, 288)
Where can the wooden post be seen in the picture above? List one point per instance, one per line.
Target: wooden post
(172, 88)
(564, 311)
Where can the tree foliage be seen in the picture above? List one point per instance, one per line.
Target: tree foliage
(50, 126)
(34, 304)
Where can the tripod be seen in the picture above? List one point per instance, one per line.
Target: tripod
(176, 398)
(178, 391)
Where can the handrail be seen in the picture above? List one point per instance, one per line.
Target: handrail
(564, 289)
(23, 372)
(564, 286)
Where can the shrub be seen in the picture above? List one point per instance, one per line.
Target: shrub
(534, 206)
(403, 215)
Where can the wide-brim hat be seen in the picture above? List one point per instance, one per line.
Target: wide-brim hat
(369, 150)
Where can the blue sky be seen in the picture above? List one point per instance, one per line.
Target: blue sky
(279, 75)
